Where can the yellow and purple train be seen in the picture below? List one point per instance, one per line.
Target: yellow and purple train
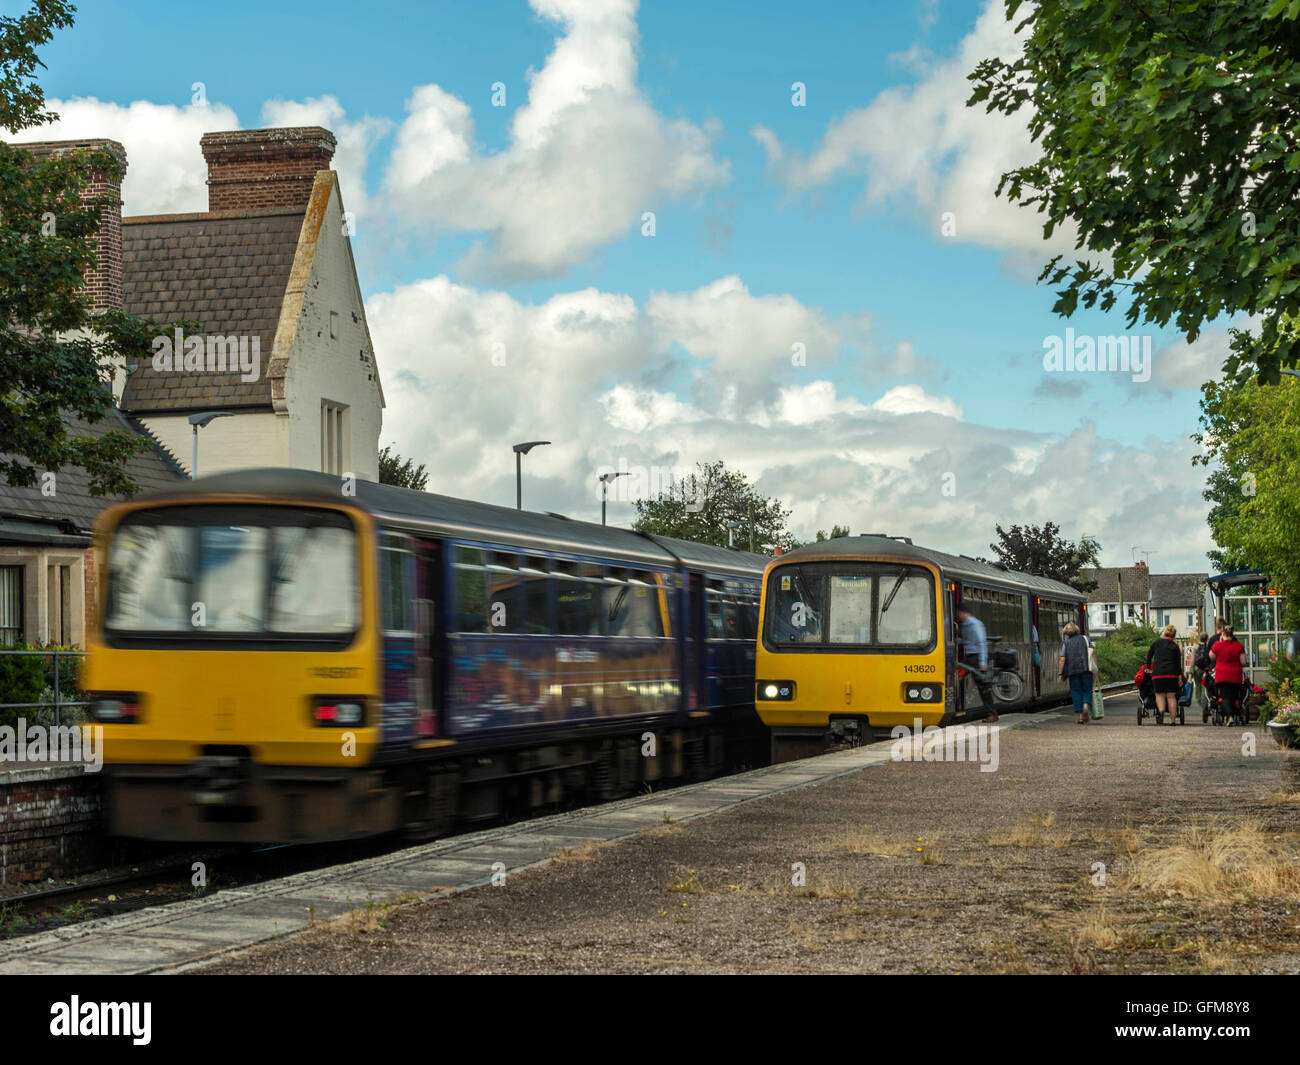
(281, 655)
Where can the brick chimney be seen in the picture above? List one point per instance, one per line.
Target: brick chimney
(255, 168)
(104, 280)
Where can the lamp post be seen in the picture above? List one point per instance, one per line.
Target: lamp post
(520, 451)
(197, 422)
(732, 526)
(605, 479)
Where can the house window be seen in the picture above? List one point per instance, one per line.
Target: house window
(1191, 619)
(11, 605)
(333, 437)
(1111, 614)
(59, 603)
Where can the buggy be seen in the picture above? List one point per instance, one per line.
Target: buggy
(1147, 698)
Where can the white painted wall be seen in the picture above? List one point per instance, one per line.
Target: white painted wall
(336, 368)
(243, 441)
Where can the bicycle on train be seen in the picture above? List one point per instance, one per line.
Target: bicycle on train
(1002, 674)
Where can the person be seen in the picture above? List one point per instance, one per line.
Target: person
(1293, 646)
(1229, 658)
(1074, 668)
(1200, 665)
(1164, 659)
(1209, 662)
(975, 655)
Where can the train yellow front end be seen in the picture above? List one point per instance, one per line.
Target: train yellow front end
(235, 669)
(850, 639)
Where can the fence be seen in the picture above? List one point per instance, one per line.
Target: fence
(58, 703)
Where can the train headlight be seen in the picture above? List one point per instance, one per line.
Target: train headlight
(118, 709)
(922, 693)
(775, 690)
(339, 713)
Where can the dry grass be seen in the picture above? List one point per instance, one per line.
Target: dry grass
(825, 887)
(585, 853)
(1036, 832)
(689, 884)
(864, 841)
(1218, 859)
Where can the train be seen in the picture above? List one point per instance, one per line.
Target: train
(283, 656)
(859, 633)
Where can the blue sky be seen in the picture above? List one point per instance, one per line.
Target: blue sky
(775, 225)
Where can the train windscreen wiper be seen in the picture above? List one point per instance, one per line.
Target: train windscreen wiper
(902, 576)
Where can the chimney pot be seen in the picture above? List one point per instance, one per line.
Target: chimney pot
(255, 168)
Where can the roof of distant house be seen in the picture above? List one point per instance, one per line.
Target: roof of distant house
(1177, 589)
(1136, 584)
(72, 508)
(225, 270)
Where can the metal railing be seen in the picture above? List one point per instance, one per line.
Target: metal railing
(59, 702)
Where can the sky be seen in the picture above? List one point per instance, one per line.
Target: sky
(666, 234)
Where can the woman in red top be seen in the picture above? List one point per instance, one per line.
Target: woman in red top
(1229, 657)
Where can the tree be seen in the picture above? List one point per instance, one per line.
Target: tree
(698, 507)
(403, 473)
(1168, 136)
(1252, 433)
(836, 532)
(1045, 553)
(56, 355)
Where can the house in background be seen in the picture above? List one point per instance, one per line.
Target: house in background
(267, 273)
(1122, 595)
(283, 346)
(1178, 599)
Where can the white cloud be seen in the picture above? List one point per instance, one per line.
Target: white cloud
(923, 144)
(583, 370)
(587, 153)
(165, 170)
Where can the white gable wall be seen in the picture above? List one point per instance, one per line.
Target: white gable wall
(338, 368)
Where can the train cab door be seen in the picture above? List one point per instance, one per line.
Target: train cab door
(695, 650)
(427, 597)
(956, 687)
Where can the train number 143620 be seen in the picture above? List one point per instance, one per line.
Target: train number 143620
(918, 669)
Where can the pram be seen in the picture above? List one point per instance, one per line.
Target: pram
(1246, 704)
(1147, 698)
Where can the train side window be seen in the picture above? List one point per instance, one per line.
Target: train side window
(397, 584)
(577, 610)
(505, 592)
(716, 629)
(632, 606)
(537, 597)
(730, 620)
(469, 583)
(748, 619)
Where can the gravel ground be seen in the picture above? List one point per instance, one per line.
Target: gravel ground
(910, 867)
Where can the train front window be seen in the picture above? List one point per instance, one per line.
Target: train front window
(229, 572)
(821, 605)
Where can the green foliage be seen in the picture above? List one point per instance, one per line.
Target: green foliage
(1044, 552)
(698, 507)
(1166, 138)
(1251, 432)
(402, 473)
(1120, 653)
(836, 532)
(56, 355)
(22, 680)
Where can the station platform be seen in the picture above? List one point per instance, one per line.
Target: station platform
(1046, 856)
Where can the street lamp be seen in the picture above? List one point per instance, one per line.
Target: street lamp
(732, 526)
(605, 479)
(521, 450)
(198, 421)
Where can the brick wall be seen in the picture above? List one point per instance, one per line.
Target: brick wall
(51, 824)
(104, 281)
(255, 168)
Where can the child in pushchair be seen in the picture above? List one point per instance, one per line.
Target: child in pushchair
(1147, 698)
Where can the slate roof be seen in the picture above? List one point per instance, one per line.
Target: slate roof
(226, 270)
(1137, 584)
(1177, 589)
(72, 509)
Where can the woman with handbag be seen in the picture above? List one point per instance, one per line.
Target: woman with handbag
(1075, 668)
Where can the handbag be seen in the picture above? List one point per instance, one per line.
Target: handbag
(1093, 668)
(1098, 707)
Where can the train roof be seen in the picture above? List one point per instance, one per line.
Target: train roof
(952, 565)
(466, 519)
